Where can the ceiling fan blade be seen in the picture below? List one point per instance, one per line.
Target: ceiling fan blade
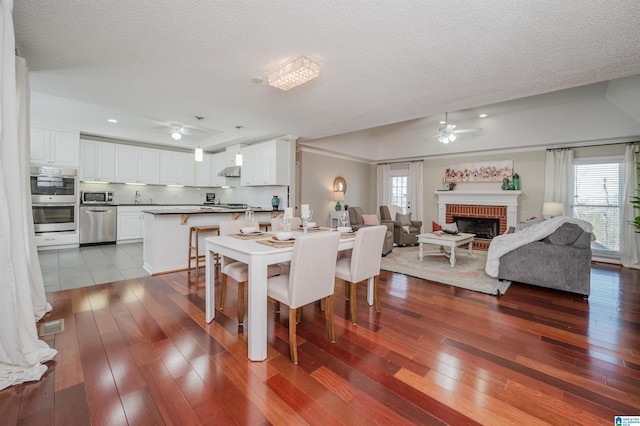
(466, 130)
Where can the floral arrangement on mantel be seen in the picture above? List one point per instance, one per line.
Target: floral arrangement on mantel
(635, 200)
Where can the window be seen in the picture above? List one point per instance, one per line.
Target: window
(597, 198)
(398, 187)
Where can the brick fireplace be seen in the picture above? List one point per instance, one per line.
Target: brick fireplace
(500, 205)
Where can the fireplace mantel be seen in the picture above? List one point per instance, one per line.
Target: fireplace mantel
(480, 198)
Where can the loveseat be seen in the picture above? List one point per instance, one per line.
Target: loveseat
(356, 221)
(561, 261)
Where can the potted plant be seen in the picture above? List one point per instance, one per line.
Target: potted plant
(635, 200)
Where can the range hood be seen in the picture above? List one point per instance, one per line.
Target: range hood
(231, 171)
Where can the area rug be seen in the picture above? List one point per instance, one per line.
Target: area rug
(468, 273)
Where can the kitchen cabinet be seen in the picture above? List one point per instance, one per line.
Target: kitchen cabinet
(231, 152)
(265, 163)
(97, 161)
(204, 171)
(130, 222)
(137, 164)
(177, 168)
(57, 240)
(218, 163)
(54, 147)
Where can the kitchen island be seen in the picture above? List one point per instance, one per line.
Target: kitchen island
(166, 233)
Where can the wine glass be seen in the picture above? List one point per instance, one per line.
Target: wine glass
(343, 217)
(285, 222)
(249, 217)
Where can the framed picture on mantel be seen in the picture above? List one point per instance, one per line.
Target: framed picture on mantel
(490, 171)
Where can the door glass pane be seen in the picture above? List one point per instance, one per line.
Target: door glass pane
(399, 193)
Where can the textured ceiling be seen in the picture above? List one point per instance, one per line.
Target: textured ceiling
(150, 63)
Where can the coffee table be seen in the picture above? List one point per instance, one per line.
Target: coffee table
(446, 240)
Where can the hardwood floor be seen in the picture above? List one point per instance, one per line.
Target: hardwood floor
(140, 352)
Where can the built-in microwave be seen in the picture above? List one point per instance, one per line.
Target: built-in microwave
(53, 185)
(102, 197)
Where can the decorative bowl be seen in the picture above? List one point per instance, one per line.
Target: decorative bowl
(311, 224)
(283, 236)
(249, 229)
(344, 229)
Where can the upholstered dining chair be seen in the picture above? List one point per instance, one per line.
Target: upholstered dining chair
(238, 271)
(363, 264)
(311, 278)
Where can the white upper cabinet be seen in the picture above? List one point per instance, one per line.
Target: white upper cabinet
(231, 152)
(265, 163)
(55, 147)
(218, 163)
(177, 168)
(204, 172)
(97, 161)
(137, 165)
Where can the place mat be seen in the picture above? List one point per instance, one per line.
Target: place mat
(348, 234)
(272, 243)
(253, 236)
(316, 229)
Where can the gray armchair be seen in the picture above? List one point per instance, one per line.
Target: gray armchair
(356, 222)
(403, 234)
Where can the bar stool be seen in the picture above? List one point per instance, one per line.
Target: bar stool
(264, 225)
(194, 246)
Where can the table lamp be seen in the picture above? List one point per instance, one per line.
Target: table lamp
(550, 210)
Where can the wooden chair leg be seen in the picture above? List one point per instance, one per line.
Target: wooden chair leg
(299, 315)
(223, 291)
(329, 316)
(293, 345)
(376, 292)
(197, 254)
(323, 304)
(240, 303)
(346, 290)
(277, 307)
(352, 303)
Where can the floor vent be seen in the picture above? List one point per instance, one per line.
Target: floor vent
(51, 327)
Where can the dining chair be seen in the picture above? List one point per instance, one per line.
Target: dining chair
(236, 270)
(296, 223)
(363, 264)
(311, 278)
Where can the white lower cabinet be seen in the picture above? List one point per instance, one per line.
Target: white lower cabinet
(130, 222)
(57, 240)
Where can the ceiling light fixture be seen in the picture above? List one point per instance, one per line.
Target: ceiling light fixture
(482, 115)
(176, 133)
(199, 154)
(112, 120)
(294, 73)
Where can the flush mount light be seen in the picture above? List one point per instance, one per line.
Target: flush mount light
(176, 133)
(112, 120)
(482, 115)
(294, 73)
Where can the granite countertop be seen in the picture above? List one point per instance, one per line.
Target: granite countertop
(202, 210)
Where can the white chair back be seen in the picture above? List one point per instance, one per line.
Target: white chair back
(366, 255)
(277, 226)
(231, 227)
(313, 268)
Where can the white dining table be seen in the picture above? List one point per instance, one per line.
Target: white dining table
(257, 256)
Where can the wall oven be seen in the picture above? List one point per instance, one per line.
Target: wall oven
(54, 199)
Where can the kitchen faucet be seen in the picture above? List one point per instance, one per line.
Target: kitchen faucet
(137, 197)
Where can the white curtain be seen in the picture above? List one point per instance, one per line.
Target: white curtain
(629, 239)
(558, 178)
(382, 187)
(416, 193)
(22, 296)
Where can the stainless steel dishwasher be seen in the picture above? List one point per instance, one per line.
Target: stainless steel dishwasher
(98, 224)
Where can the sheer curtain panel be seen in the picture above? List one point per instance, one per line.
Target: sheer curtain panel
(416, 184)
(558, 178)
(382, 186)
(629, 238)
(22, 296)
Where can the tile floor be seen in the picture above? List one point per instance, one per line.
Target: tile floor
(86, 266)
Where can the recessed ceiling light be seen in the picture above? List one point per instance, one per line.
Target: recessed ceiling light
(112, 120)
(443, 122)
(482, 115)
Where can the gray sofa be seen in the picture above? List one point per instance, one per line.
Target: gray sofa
(561, 261)
(356, 221)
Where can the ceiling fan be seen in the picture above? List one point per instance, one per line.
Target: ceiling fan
(448, 132)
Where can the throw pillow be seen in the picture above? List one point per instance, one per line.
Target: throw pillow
(370, 219)
(529, 222)
(565, 235)
(450, 227)
(435, 227)
(404, 219)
